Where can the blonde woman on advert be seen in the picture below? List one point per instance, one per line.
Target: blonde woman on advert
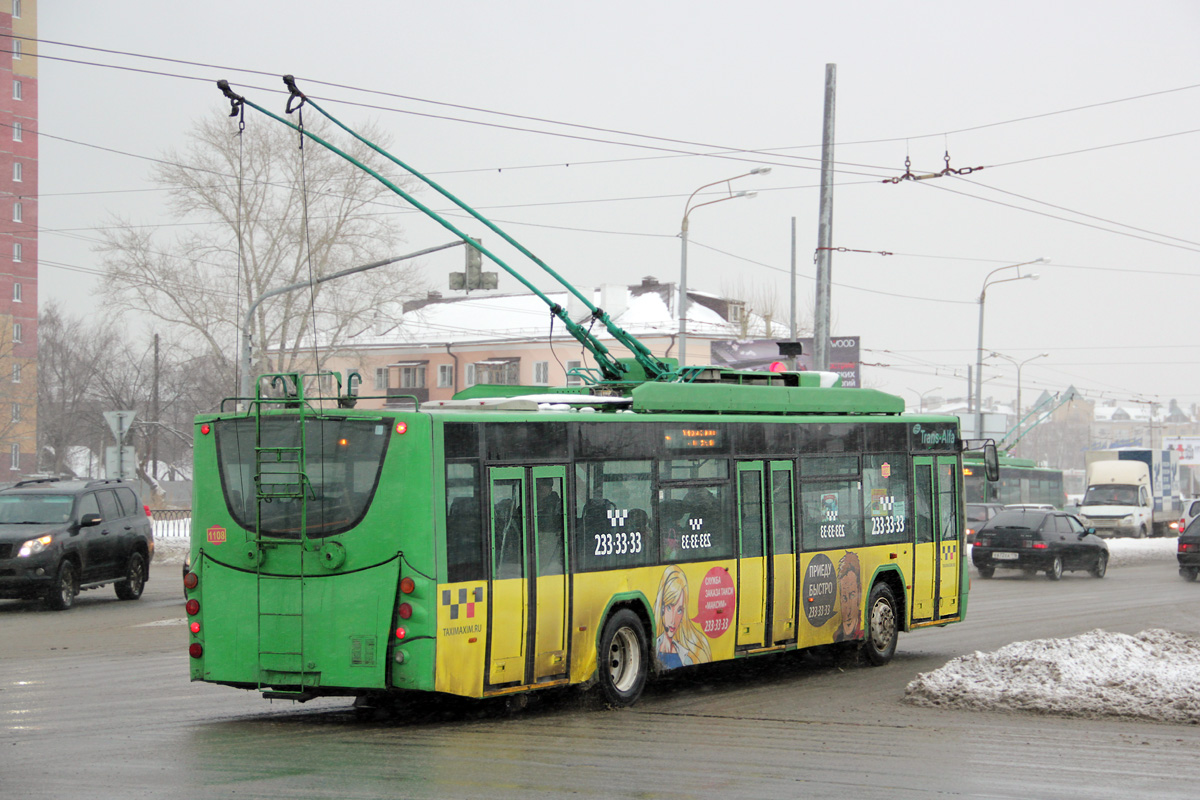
(680, 642)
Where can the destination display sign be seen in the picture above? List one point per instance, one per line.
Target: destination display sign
(697, 438)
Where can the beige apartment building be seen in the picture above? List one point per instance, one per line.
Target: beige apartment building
(444, 344)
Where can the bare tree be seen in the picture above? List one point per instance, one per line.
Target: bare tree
(261, 213)
(766, 311)
(70, 355)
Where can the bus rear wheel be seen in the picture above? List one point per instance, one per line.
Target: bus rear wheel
(623, 659)
(879, 645)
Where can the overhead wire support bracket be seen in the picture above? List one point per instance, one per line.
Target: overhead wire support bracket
(949, 170)
(611, 368)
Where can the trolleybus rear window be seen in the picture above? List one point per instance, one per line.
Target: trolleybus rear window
(342, 458)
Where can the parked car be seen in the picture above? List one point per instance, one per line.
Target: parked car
(979, 513)
(1036, 540)
(1191, 510)
(60, 537)
(1188, 551)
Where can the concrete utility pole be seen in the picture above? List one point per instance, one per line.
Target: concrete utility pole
(825, 228)
(795, 330)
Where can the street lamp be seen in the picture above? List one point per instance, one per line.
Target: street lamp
(921, 407)
(987, 281)
(683, 237)
(1019, 365)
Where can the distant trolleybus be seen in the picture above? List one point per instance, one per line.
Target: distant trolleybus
(1021, 481)
(500, 544)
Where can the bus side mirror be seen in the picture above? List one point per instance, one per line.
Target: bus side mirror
(991, 462)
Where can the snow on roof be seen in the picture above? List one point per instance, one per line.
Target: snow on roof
(1134, 412)
(486, 316)
(1153, 675)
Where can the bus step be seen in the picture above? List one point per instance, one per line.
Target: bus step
(302, 696)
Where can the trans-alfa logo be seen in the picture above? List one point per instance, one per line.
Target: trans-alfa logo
(945, 436)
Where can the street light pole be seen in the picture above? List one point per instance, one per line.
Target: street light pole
(987, 281)
(921, 407)
(246, 382)
(1019, 365)
(683, 238)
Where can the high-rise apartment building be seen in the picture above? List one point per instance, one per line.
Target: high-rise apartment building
(18, 238)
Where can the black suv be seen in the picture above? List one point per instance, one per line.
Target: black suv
(58, 537)
(1034, 540)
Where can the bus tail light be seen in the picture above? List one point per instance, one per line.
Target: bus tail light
(192, 607)
(195, 650)
(405, 611)
(401, 633)
(194, 627)
(191, 580)
(407, 585)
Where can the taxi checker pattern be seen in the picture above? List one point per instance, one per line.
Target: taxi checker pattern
(475, 596)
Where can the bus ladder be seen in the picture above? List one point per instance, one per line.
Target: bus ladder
(280, 476)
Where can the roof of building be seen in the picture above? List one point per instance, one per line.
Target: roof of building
(483, 316)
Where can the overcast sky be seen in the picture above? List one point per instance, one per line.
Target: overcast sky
(583, 128)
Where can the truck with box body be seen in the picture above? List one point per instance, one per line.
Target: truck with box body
(1131, 491)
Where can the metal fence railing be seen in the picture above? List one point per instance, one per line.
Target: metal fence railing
(172, 523)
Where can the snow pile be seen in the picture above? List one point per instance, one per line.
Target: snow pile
(1127, 552)
(1154, 675)
(170, 551)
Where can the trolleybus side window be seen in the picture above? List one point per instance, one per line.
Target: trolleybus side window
(695, 523)
(782, 516)
(614, 503)
(832, 506)
(465, 545)
(885, 495)
(923, 502)
(508, 524)
(946, 497)
(750, 511)
(694, 514)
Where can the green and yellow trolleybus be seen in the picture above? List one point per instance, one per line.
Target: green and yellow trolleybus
(500, 544)
(515, 539)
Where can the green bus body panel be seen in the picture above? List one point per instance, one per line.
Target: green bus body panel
(683, 398)
(289, 618)
(722, 398)
(319, 631)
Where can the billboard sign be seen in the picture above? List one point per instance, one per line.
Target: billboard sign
(759, 354)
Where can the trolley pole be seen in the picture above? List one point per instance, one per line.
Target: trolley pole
(825, 228)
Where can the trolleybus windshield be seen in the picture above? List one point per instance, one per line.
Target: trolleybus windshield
(342, 458)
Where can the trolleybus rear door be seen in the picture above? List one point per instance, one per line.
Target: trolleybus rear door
(781, 514)
(509, 611)
(925, 555)
(548, 593)
(949, 546)
(753, 569)
(938, 547)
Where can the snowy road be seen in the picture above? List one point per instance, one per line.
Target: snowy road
(95, 703)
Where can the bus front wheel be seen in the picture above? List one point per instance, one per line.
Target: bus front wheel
(882, 625)
(623, 659)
